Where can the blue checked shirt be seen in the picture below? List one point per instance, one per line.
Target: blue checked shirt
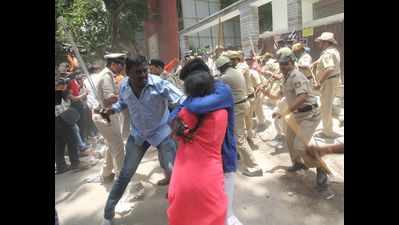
(149, 113)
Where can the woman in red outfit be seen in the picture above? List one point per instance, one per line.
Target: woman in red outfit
(196, 190)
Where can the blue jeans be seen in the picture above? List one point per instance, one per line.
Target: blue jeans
(78, 138)
(133, 156)
(56, 219)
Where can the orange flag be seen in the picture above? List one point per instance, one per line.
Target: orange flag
(169, 67)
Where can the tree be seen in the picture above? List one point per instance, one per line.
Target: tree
(88, 22)
(126, 19)
(100, 25)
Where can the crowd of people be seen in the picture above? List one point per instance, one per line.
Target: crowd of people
(201, 115)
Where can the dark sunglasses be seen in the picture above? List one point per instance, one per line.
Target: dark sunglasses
(138, 71)
(284, 63)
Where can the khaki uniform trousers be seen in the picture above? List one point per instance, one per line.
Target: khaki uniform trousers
(240, 111)
(115, 154)
(307, 123)
(258, 108)
(327, 95)
(248, 119)
(280, 124)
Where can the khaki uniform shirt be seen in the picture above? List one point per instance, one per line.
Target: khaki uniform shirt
(272, 66)
(256, 78)
(237, 84)
(329, 58)
(244, 70)
(295, 84)
(105, 85)
(305, 61)
(275, 86)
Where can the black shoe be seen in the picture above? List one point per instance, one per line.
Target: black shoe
(296, 167)
(63, 169)
(253, 172)
(321, 179)
(252, 144)
(163, 182)
(279, 138)
(80, 166)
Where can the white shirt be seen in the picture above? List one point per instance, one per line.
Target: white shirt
(91, 99)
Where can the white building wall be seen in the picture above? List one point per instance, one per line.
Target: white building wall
(195, 10)
(280, 15)
(307, 10)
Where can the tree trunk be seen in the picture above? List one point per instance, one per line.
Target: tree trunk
(114, 30)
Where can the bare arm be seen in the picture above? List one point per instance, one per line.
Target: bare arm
(313, 150)
(77, 98)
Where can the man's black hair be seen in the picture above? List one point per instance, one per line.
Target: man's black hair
(135, 61)
(198, 84)
(116, 60)
(192, 65)
(62, 81)
(157, 62)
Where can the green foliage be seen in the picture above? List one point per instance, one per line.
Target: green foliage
(131, 19)
(99, 25)
(88, 21)
(126, 18)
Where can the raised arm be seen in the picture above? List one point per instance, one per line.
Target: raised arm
(220, 99)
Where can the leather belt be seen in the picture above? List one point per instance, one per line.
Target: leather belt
(251, 96)
(333, 76)
(307, 108)
(242, 101)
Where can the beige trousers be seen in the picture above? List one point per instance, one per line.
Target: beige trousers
(279, 124)
(248, 119)
(327, 94)
(111, 132)
(240, 111)
(295, 143)
(258, 108)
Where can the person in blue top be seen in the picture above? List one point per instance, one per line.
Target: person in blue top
(147, 98)
(221, 98)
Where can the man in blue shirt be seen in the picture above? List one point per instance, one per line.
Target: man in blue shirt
(146, 96)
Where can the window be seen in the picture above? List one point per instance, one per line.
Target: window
(265, 18)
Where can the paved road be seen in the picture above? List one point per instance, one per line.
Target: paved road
(277, 198)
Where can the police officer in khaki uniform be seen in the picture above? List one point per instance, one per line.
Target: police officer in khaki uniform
(243, 68)
(111, 131)
(305, 112)
(304, 60)
(257, 79)
(327, 73)
(271, 70)
(241, 107)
